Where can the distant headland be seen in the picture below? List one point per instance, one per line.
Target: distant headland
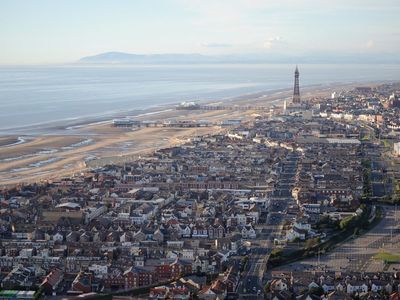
(194, 58)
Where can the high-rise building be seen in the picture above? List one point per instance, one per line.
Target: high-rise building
(396, 149)
(296, 91)
(284, 107)
(394, 101)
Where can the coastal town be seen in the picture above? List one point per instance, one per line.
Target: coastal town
(296, 201)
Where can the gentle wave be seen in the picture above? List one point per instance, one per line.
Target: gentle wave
(77, 145)
(20, 140)
(45, 162)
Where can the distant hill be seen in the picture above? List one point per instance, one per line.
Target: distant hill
(316, 58)
(120, 57)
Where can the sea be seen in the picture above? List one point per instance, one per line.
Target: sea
(32, 96)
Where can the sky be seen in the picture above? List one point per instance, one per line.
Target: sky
(61, 31)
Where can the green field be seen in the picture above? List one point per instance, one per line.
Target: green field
(388, 257)
(387, 144)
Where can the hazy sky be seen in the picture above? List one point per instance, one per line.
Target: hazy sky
(53, 31)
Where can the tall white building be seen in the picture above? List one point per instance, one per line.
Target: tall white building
(396, 149)
(284, 107)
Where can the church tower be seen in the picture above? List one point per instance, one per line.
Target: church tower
(296, 91)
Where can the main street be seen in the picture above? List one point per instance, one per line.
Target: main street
(251, 285)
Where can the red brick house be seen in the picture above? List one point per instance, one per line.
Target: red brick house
(51, 281)
(82, 282)
(180, 267)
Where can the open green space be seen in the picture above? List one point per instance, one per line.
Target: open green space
(388, 257)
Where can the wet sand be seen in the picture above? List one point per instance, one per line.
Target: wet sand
(8, 141)
(72, 149)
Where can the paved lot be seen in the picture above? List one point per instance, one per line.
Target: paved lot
(357, 254)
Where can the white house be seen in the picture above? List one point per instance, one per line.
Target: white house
(278, 285)
(302, 225)
(248, 232)
(58, 237)
(312, 208)
(313, 285)
(328, 287)
(356, 287)
(379, 285)
(296, 233)
(99, 270)
(172, 255)
(241, 219)
(184, 231)
(187, 254)
(201, 263)
(136, 218)
(340, 287)
(199, 232)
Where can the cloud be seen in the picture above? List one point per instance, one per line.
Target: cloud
(370, 44)
(259, 25)
(274, 41)
(216, 45)
(243, 6)
(223, 15)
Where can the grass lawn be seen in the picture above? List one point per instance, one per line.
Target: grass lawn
(365, 138)
(387, 144)
(388, 257)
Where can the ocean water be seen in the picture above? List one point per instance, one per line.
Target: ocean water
(35, 95)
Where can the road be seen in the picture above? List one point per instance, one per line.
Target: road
(251, 285)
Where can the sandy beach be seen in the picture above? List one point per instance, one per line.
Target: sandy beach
(73, 149)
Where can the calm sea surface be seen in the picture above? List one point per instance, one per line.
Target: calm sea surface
(40, 95)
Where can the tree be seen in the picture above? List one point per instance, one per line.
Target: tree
(276, 252)
(316, 291)
(347, 222)
(310, 243)
(267, 287)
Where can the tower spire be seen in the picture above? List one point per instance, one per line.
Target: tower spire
(296, 91)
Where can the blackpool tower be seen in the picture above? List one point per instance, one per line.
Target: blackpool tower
(296, 91)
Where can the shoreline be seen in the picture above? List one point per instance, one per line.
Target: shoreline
(70, 124)
(66, 150)
(80, 122)
(9, 141)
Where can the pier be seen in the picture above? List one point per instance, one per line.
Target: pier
(172, 123)
(222, 107)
